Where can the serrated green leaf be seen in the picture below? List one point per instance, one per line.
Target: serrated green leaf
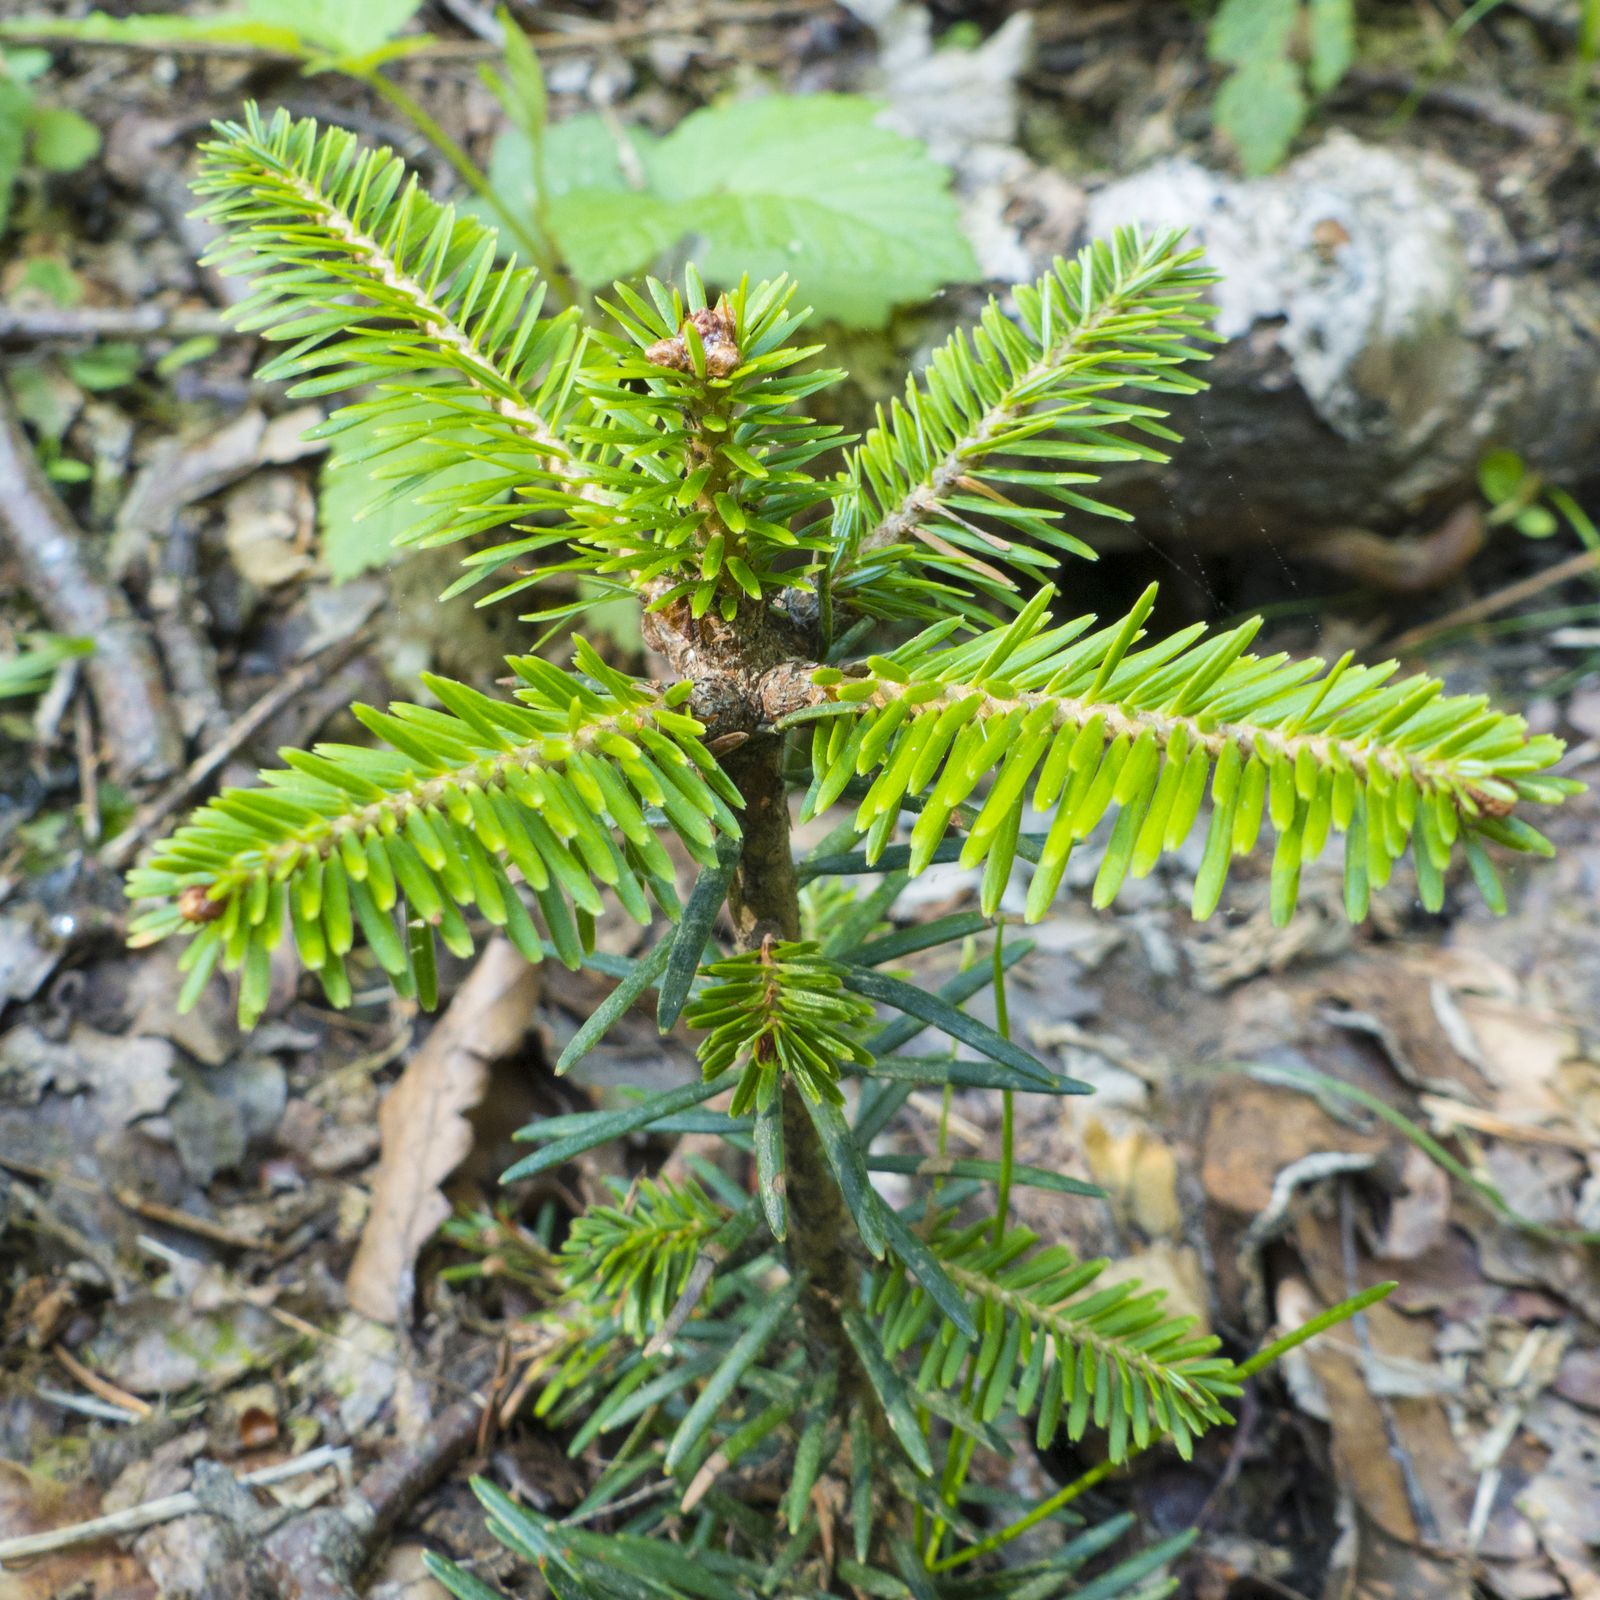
(1331, 39)
(1260, 108)
(806, 185)
(62, 140)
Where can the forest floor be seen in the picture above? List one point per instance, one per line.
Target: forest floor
(223, 1248)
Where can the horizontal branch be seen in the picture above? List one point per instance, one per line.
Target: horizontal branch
(28, 324)
(186, 1502)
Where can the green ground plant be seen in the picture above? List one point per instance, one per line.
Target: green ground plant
(793, 1379)
(32, 131)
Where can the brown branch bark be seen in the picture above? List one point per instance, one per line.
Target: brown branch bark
(320, 1555)
(63, 576)
(764, 900)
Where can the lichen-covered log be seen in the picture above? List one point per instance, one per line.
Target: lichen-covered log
(1386, 329)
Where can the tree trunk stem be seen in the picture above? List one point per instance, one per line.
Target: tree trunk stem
(764, 901)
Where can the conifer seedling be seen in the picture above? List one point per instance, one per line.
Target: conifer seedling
(792, 1377)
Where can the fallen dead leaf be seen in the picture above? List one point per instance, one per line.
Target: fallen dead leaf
(1523, 1052)
(424, 1128)
(33, 1503)
(1139, 1172)
(1420, 1212)
(1563, 1500)
(1253, 1132)
(1397, 1456)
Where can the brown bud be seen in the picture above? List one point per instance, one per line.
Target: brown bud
(196, 905)
(717, 335)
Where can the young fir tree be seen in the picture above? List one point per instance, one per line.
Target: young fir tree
(792, 1385)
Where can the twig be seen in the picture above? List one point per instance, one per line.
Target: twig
(651, 1491)
(581, 35)
(164, 1509)
(62, 575)
(1512, 594)
(48, 1222)
(1463, 99)
(130, 1200)
(184, 1221)
(88, 769)
(329, 658)
(28, 324)
(1409, 564)
(320, 1555)
(96, 1385)
(84, 1405)
(1451, 1113)
(694, 1287)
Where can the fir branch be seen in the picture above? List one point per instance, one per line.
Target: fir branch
(634, 1258)
(1089, 723)
(926, 519)
(1050, 1340)
(696, 467)
(780, 1012)
(375, 283)
(341, 835)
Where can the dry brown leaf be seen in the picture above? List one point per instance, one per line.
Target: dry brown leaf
(1397, 1456)
(1139, 1172)
(424, 1127)
(1253, 1132)
(1419, 1213)
(33, 1503)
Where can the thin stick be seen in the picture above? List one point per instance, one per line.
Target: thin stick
(61, 571)
(161, 1510)
(329, 658)
(26, 324)
(84, 1405)
(185, 1222)
(103, 1387)
(437, 52)
(131, 1200)
(1537, 583)
(88, 769)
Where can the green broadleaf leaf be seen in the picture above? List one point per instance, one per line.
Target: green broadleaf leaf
(1331, 29)
(351, 29)
(805, 185)
(16, 106)
(224, 27)
(1251, 30)
(1261, 108)
(62, 140)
